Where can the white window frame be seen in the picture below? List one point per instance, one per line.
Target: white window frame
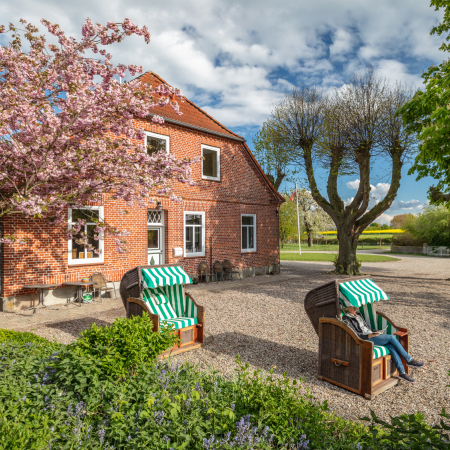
(101, 247)
(202, 253)
(249, 250)
(164, 137)
(216, 149)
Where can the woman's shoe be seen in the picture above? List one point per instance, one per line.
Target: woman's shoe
(405, 377)
(415, 364)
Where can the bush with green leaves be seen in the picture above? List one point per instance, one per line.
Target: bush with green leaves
(432, 225)
(407, 239)
(162, 405)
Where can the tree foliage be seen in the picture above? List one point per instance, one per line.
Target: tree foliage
(432, 225)
(398, 221)
(274, 153)
(66, 138)
(428, 115)
(288, 220)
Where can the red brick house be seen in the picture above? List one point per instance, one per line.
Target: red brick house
(232, 214)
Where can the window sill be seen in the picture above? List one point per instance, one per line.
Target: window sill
(194, 255)
(218, 180)
(77, 264)
(249, 251)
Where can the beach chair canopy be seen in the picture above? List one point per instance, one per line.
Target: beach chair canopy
(360, 292)
(164, 276)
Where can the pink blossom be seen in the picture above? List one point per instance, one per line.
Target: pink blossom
(54, 120)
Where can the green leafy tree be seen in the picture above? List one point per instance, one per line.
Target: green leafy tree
(432, 225)
(428, 115)
(288, 221)
(398, 221)
(274, 154)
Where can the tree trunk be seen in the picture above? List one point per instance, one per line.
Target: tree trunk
(310, 239)
(346, 262)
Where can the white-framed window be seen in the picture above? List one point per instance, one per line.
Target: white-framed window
(210, 163)
(79, 254)
(194, 233)
(156, 142)
(248, 232)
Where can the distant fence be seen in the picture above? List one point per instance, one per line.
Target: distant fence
(429, 250)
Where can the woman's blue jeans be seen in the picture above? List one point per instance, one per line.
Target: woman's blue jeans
(395, 349)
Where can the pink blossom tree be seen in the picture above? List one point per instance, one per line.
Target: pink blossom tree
(67, 126)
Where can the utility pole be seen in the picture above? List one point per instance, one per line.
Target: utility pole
(298, 222)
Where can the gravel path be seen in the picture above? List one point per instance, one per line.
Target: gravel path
(267, 326)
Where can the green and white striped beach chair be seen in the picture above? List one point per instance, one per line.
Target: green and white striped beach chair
(345, 359)
(364, 294)
(160, 291)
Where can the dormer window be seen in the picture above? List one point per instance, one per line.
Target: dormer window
(210, 163)
(157, 143)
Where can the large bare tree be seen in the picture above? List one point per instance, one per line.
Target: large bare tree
(343, 133)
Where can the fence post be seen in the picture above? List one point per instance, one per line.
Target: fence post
(425, 249)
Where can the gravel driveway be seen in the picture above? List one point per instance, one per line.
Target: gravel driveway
(267, 326)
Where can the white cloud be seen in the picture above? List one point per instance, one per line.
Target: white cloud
(410, 204)
(353, 184)
(384, 219)
(378, 192)
(236, 59)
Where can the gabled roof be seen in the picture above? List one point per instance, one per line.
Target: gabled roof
(195, 117)
(191, 113)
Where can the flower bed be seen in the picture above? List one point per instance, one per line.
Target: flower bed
(57, 397)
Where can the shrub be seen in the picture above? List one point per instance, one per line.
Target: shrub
(406, 239)
(409, 432)
(431, 226)
(18, 337)
(119, 349)
(164, 406)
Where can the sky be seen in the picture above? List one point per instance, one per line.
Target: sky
(237, 59)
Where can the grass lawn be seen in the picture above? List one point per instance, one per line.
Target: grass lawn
(330, 257)
(333, 248)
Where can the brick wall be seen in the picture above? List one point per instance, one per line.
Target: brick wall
(242, 189)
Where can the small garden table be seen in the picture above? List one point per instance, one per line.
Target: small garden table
(79, 285)
(41, 288)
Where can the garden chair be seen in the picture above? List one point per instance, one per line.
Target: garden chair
(102, 284)
(344, 359)
(159, 291)
(229, 269)
(203, 270)
(218, 270)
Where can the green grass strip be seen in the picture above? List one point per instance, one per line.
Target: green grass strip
(331, 256)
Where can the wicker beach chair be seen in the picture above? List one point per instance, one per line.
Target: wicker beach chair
(218, 270)
(229, 269)
(344, 359)
(159, 291)
(203, 271)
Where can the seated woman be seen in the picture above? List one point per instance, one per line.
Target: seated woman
(355, 321)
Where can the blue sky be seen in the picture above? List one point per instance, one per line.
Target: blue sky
(236, 59)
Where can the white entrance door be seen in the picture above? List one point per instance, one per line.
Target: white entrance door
(155, 234)
(155, 245)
